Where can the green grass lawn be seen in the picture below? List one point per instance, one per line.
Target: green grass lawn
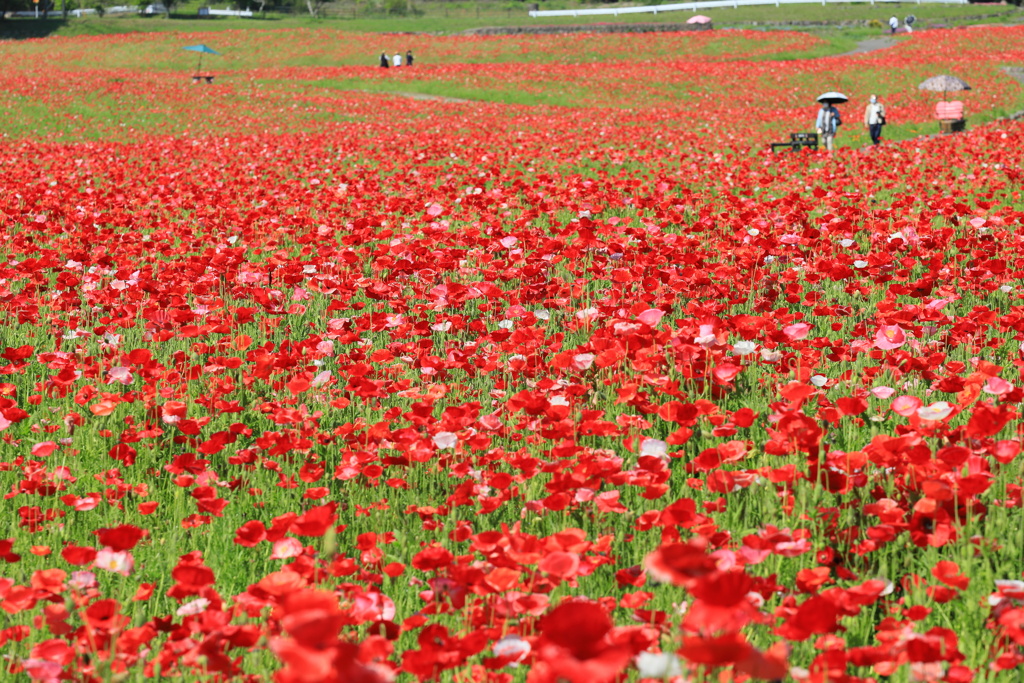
(443, 17)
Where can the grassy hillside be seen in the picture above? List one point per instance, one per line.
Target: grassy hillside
(451, 17)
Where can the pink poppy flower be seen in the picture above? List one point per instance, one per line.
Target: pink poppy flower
(882, 392)
(906, 405)
(890, 337)
(797, 331)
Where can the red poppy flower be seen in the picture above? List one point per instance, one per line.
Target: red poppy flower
(122, 537)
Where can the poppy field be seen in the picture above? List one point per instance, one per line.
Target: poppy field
(306, 379)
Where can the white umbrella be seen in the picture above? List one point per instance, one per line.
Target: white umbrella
(833, 97)
(699, 19)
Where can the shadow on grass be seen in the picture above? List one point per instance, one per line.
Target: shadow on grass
(23, 29)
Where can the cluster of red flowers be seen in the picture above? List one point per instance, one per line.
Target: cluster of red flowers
(503, 390)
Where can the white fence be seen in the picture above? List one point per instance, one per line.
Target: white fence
(56, 12)
(707, 4)
(152, 9)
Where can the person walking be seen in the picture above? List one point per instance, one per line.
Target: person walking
(384, 61)
(408, 57)
(828, 123)
(874, 119)
(398, 59)
(894, 24)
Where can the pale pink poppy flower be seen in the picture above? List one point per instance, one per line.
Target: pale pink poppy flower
(190, 609)
(286, 548)
(882, 392)
(443, 440)
(861, 346)
(939, 410)
(654, 447)
(583, 495)
(512, 647)
(321, 379)
(725, 560)
(652, 316)
(583, 361)
(119, 561)
(624, 328)
(374, 606)
(927, 671)
(797, 331)
(906, 405)
(42, 671)
(82, 580)
(706, 336)
(890, 337)
(120, 374)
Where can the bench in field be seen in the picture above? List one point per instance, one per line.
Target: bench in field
(950, 116)
(798, 141)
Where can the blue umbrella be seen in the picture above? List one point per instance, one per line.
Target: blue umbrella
(201, 49)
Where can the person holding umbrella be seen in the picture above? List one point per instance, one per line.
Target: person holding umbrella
(829, 120)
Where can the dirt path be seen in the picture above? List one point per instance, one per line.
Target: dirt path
(424, 97)
(870, 45)
(1015, 72)
(427, 98)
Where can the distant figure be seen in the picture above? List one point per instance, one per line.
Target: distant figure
(828, 123)
(398, 59)
(874, 119)
(894, 24)
(384, 62)
(408, 58)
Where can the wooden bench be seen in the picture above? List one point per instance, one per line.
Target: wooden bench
(798, 141)
(200, 79)
(950, 116)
